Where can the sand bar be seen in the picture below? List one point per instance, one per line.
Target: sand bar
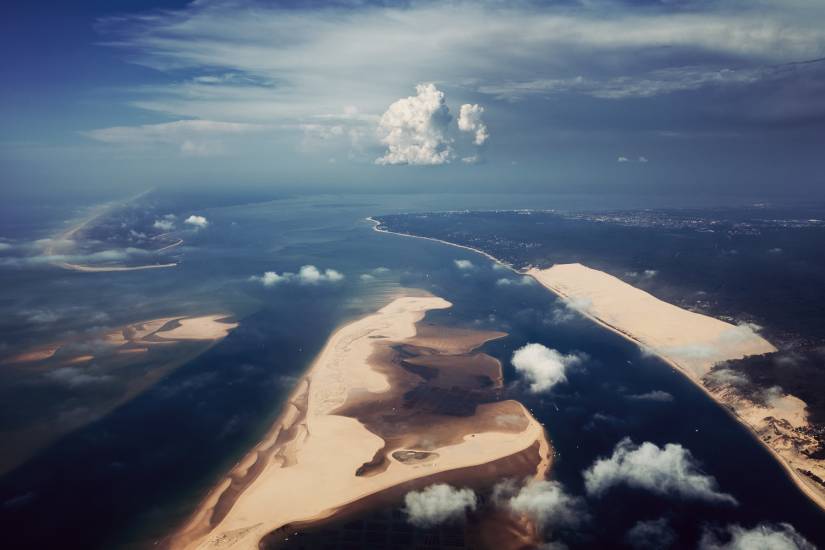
(205, 327)
(306, 468)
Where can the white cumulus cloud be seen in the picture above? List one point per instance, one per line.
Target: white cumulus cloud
(307, 275)
(437, 504)
(669, 470)
(197, 221)
(464, 264)
(544, 502)
(543, 367)
(414, 129)
(761, 537)
(469, 120)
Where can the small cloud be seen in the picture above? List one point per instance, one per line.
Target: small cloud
(271, 278)
(190, 137)
(164, 225)
(381, 270)
(766, 536)
(776, 250)
(521, 281)
(307, 275)
(469, 120)
(669, 471)
(726, 376)
(4, 246)
(197, 221)
(570, 309)
(651, 535)
(472, 159)
(76, 377)
(543, 367)
(640, 159)
(438, 504)
(562, 315)
(464, 264)
(580, 304)
(544, 502)
(655, 395)
(366, 277)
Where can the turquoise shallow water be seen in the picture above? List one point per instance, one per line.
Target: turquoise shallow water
(130, 477)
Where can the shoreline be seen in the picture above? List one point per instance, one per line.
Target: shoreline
(95, 269)
(376, 223)
(797, 478)
(329, 448)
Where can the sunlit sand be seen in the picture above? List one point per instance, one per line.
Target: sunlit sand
(207, 327)
(316, 461)
(693, 342)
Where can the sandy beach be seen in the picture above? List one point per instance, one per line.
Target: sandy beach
(355, 427)
(693, 344)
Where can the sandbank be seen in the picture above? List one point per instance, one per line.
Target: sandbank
(324, 452)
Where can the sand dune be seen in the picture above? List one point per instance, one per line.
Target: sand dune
(321, 457)
(693, 343)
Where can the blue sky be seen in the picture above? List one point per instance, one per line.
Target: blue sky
(592, 96)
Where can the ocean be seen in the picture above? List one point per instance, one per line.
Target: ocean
(126, 479)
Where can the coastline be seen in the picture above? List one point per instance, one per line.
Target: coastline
(376, 223)
(93, 269)
(329, 451)
(803, 484)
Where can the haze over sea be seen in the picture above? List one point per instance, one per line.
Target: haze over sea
(131, 476)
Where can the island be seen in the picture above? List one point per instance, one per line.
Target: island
(391, 404)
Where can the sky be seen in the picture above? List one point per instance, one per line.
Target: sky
(591, 96)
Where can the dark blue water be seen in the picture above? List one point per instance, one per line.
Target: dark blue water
(127, 479)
